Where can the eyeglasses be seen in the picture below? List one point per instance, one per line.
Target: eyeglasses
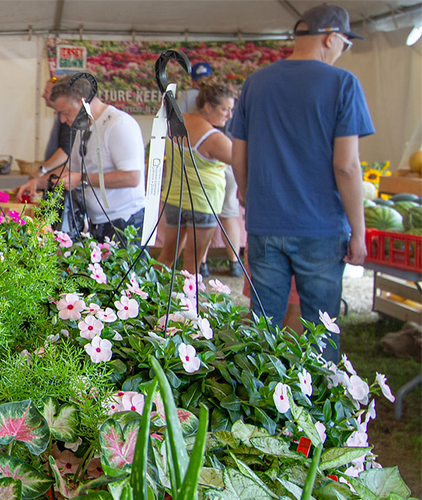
(347, 44)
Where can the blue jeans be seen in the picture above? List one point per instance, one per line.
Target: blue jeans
(100, 231)
(316, 263)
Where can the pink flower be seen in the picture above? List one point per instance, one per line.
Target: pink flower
(190, 287)
(134, 287)
(328, 322)
(108, 316)
(187, 354)
(63, 239)
(305, 380)
(99, 349)
(358, 389)
(133, 401)
(320, 427)
(97, 273)
(105, 250)
(128, 308)
(95, 468)
(96, 254)
(281, 398)
(188, 308)
(90, 327)
(217, 286)
(66, 461)
(70, 307)
(382, 382)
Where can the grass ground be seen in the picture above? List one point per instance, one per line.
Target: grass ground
(396, 442)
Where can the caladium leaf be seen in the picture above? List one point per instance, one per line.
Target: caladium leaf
(118, 446)
(34, 483)
(10, 489)
(62, 420)
(21, 421)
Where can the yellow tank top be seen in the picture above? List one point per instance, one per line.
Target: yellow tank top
(210, 171)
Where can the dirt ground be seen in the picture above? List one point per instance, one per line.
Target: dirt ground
(358, 296)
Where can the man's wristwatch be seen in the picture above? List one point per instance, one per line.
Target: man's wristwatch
(42, 169)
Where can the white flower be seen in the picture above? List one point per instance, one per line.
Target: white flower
(205, 328)
(187, 354)
(381, 380)
(99, 349)
(127, 308)
(189, 287)
(348, 365)
(217, 286)
(305, 380)
(90, 327)
(328, 322)
(320, 427)
(358, 389)
(108, 316)
(188, 310)
(371, 413)
(96, 254)
(281, 398)
(70, 307)
(97, 273)
(133, 401)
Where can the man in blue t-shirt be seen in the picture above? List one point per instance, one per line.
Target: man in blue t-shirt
(296, 161)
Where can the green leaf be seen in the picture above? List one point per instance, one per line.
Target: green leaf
(10, 489)
(179, 454)
(191, 397)
(385, 481)
(295, 490)
(219, 420)
(231, 402)
(34, 483)
(273, 446)
(140, 458)
(267, 422)
(64, 424)
(22, 422)
(303, 419)
(327, 410)
(244, 487)
(335, 457)
(190, 482)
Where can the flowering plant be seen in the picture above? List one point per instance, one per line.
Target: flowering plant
(270, 395)
(372, 172)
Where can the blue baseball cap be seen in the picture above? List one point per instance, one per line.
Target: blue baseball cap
(199, 70)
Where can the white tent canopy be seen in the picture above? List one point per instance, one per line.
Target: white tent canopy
(390, 72)
(189, 18)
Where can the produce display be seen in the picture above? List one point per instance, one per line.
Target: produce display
(400, 213)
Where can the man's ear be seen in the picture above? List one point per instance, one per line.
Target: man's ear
(329, 40)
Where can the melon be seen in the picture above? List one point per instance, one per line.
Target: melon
(368, 203)
(383, 218)
(403, 206)
(412, 219)
(415, 161)
(369, 190)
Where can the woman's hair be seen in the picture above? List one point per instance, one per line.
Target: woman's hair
(212, 91)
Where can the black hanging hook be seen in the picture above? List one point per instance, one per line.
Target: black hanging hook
(175, 121)
(161, 63)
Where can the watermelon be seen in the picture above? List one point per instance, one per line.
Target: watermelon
(368, 203)
(383, 218)
(404, 197)
(412, 219)
(385, 203)
(403, 206)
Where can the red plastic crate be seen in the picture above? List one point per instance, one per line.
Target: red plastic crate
(399, 250)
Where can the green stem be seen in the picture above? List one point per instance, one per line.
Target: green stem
(83, 465)
(310, 478)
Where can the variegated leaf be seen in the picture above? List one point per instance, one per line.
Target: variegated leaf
(21, 421)
(10, 489)
(62, 420)
(118, 446)
(34, 483)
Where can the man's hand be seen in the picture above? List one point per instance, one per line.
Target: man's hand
(73, 182)
(357, 252)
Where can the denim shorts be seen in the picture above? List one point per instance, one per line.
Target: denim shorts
(316, 263)
(202, 220)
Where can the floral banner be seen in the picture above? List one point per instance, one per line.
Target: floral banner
(126, 70)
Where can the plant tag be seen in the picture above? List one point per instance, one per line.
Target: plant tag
(304, 446)
(334, 478)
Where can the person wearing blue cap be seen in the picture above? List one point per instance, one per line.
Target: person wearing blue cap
(296, 130)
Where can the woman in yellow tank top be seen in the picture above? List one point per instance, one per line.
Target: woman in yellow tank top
(212, 151)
